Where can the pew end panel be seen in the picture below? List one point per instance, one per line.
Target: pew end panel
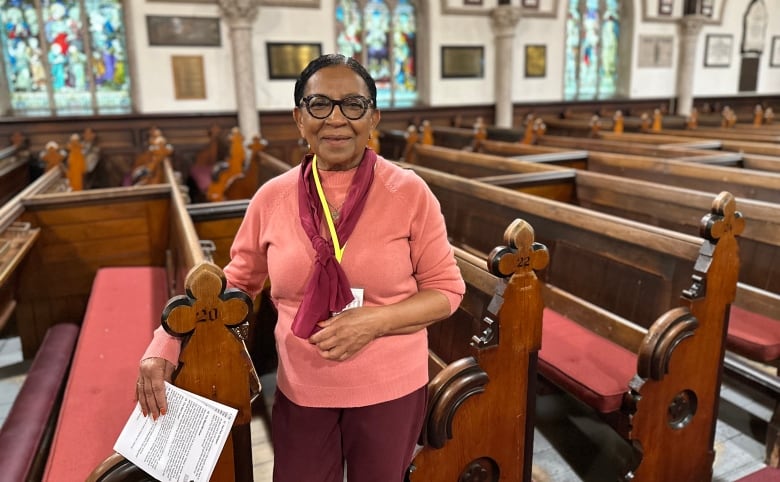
(658, 387)
(496, 335)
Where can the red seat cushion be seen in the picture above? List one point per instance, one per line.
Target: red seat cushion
(767, 474)
(202, 176)
(754, 336)
(124, 308)
(592, 368)
(22, 434)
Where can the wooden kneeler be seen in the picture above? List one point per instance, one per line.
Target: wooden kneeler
(213, 363)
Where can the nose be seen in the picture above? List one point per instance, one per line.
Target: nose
(336, 115)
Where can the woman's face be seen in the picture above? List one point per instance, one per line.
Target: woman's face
(337, 141)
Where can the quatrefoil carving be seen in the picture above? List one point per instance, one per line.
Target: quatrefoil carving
(521, 253)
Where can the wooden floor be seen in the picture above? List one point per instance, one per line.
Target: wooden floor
(570, 445)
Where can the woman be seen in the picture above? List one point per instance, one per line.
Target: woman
(357, 252)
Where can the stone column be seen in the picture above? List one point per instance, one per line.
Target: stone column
(5, 100)
(504, 19)
(690, 26)
(240, 15)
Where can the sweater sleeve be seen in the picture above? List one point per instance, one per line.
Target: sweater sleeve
(432, 255)
(163, 345)
(248, 266)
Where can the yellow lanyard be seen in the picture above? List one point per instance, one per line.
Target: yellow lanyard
(338, 251)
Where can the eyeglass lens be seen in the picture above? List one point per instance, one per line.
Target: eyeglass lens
(320, 106)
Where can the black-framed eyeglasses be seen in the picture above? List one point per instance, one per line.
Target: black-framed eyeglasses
(321, 106)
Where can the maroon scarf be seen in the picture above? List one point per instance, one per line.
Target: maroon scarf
(328, 289)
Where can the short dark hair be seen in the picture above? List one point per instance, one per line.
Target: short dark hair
(326, 61)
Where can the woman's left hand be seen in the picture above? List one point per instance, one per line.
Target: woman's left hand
(343, 335)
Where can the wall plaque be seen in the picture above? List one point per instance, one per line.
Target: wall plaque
(189, 81)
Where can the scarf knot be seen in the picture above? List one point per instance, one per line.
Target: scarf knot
(328, 290)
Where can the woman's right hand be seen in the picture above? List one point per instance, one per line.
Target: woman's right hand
(150, 387)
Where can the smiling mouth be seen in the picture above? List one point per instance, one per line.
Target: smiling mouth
(336, 139)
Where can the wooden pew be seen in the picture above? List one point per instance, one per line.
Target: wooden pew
(440, 459)
(463, 393)
(237, 178)
(755, 317)
(701, 176)
(25, 437)
(148, 167)
(137, 232)
(217, 148)
(15, 167)
(611, 269)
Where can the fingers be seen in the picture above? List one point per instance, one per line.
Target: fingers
(150, 386)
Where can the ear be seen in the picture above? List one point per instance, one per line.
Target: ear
(375, 117)
(298, 118)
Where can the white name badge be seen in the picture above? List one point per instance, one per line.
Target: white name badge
(357, 294)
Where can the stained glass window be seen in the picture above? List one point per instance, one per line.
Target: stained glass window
(65, 56)
(591, 56)
(382, 36)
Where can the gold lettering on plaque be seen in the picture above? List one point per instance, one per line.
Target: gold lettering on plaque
(189, 81)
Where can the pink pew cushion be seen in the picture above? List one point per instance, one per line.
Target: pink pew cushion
(767, 474)
(124, 308)
(754, 336)
(201, 174)
(590, 367)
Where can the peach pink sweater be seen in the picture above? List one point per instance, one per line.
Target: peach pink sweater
(398, 247)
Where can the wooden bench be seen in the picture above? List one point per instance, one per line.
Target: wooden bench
(15, 167)
(705, 175)
(609, 272)
(117, 237)
(237, 177)
(492, 338)
(25, 437)
(450, 343)
(123, 310)
(754, 329)
(199, 173)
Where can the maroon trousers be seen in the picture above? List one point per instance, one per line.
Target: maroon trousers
(376, 442)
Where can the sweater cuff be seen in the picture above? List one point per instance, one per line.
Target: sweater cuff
(164, 346)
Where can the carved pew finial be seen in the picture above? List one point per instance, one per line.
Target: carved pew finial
(692, 122)
(77, 164)
(480, 134)
(657, 120)
(427, 133)
(52, 155)
(521, 253)
(528, 134)
(644, 120)
(595, 126)
(758, 115)
(617, 128)
(208, 314)
(412, 138)
(539, 128)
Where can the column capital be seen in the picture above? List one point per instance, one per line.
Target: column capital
(239, 13)
(504, 19)
(692, 24)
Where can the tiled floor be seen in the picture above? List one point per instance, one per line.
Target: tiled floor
(569, 444)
